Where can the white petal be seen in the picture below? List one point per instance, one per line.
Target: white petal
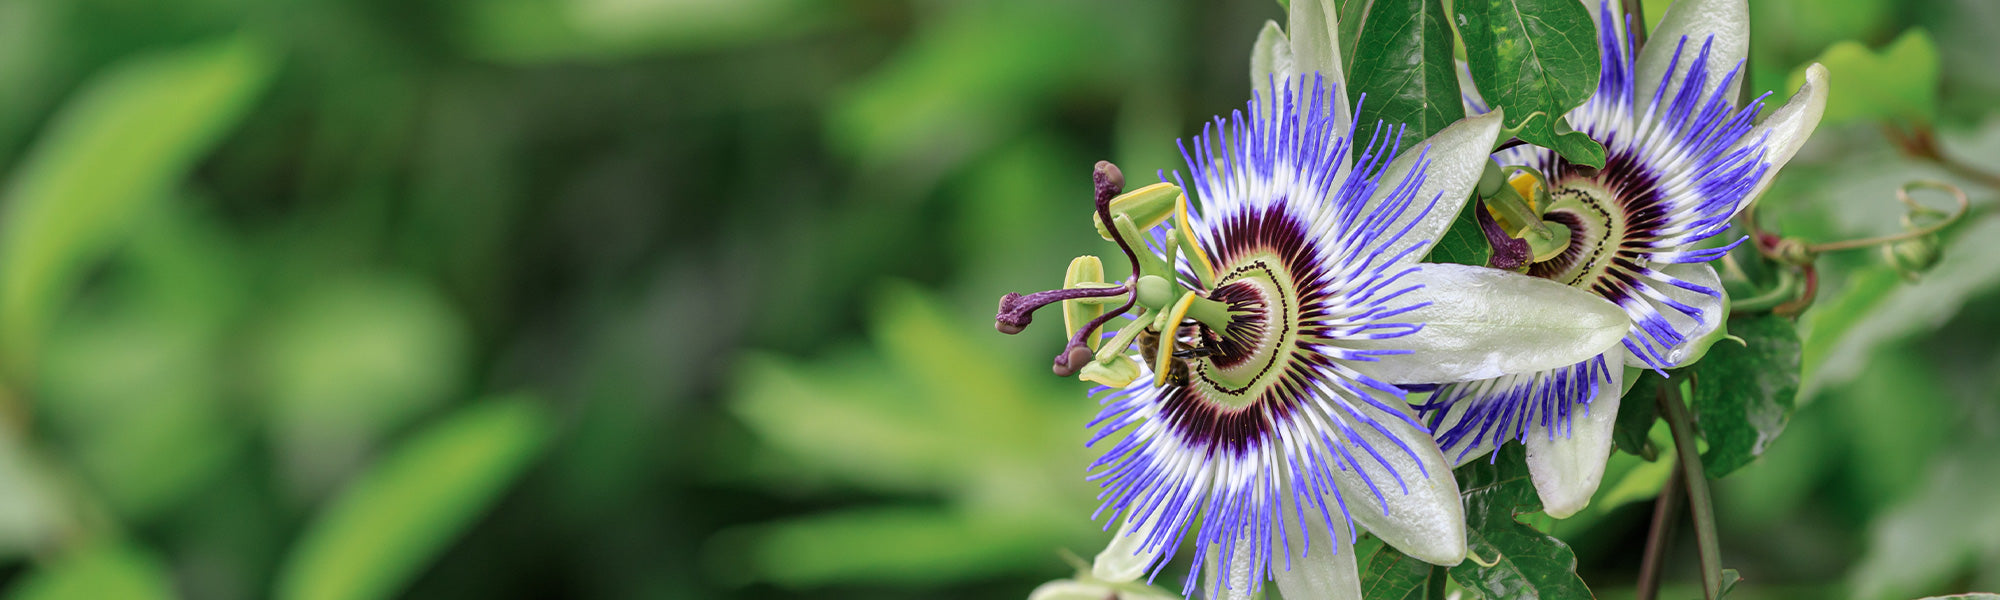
(1457, 156)
(1789, 126)
(1428, 522)
(1596, 11)
(1315, 37)
(1064, 589)
(1483, 323)
(1270, 60)
(1451, 418)
(1124, 559)
(1468, 90)
(1567, 469)
(1700, 333)
(1243, 574)
(1728, 21)
(1323, 566)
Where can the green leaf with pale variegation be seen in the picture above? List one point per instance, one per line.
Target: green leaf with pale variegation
(1530, 56)
(1526, 563)
(1744, 393)
(1403, 76)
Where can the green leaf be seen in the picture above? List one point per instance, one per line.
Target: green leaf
(1744, 393)
(1405, 69)
(1351, 14)
(1530, 56)
(552, 31)
(967, 79)
(112, 572)
(1463, 243)
(1554, 134)
(1390, 575)
(889, 544)
(1900, 83)
(929, 408)
(1928, 540)
(1525, 562)
(348, 358)
(127, 138)
(380, 532)
(32, 512)
(1637, 412)
(1878, 308)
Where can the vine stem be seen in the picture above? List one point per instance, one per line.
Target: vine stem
(1434, 586)
(1699, 504)
(1921, 142)
(1636, 10)
(1665, 508)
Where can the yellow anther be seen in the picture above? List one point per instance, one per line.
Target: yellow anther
(1170, 328)
(1084, 271)
(1117, 373)
(1147, 206)
(1203, 270)
(1529, 186)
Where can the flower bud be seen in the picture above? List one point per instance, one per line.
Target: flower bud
(1914, 256)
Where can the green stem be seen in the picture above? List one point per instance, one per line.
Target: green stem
(1786, 289)
(1637, 11)
(1703, 510)
(1434, 585)
(1659, 537)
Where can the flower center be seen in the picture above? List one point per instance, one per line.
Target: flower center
(1242, 358)
(1597, 223)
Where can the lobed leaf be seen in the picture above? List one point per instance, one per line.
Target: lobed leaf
(1534, 56)
(1525, 562)
(1744, 393)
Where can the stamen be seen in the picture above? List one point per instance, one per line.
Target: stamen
(1110, 181)
(1509, 252)
(1017, 311)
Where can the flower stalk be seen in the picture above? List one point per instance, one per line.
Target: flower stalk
(1700, 506)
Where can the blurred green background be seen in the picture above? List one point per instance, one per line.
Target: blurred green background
(692, 298)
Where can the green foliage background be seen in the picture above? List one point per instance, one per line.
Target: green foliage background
(692, 299)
